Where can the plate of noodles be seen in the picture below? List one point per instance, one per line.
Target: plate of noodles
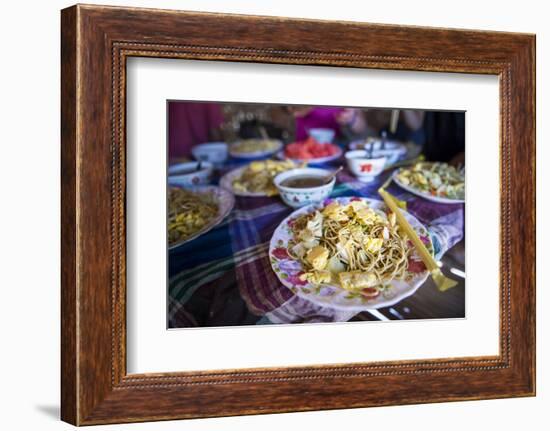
(256, 178)
(435, 181)
(348, 253)
(254, 148)
(194, 211)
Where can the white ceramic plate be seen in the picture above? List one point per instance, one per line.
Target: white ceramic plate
(226, 182)
(333, 296)
(393, 151)
(225, 201)
(255, 154)
(428, 196)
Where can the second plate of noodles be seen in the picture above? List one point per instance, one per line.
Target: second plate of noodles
(194, 211)
(256, 178)
(348, 253)
(435, 181)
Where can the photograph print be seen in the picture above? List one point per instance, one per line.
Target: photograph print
(289, 214)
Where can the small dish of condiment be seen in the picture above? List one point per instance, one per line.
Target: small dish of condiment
(303, 181)
(365, 167)
(303, 186)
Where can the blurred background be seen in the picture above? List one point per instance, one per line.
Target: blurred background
(194, 123)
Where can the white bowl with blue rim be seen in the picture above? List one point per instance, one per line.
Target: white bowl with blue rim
(322, 135)
(190, 174)
(213, 152)
(297, 197)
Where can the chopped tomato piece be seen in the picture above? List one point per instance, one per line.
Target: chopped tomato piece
(370, 292)
(309, 149)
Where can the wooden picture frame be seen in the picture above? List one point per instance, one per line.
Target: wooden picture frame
(96, 41)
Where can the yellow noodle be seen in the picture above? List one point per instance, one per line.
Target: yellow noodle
(188, 213)
(388, 263)
(258, 176)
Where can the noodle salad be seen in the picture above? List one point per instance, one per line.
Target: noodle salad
(193, 212)
(256, 178)
(188, 213)
(351, 248)
(433, 179)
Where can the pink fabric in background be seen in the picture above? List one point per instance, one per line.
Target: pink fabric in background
(317, 118)
(189, 124)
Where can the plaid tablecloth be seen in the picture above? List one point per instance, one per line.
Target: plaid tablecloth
(236, 253)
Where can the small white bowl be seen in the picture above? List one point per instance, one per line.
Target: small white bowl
(323, 136)
(186, 174)
(364, 168)
(299, 197)
(213, 152)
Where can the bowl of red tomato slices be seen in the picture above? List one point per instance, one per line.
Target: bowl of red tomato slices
(311, 151)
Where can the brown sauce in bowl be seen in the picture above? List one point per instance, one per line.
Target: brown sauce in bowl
(303, 181)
